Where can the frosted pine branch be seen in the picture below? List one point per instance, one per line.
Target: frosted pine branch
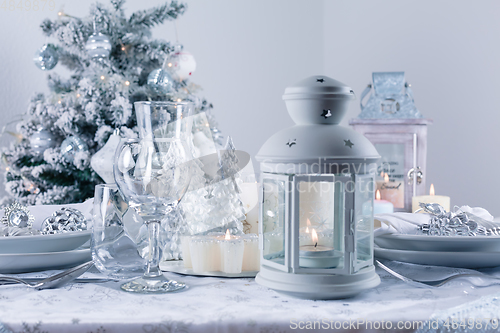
(150, 17)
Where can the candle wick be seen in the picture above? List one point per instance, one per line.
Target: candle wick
(316, 244)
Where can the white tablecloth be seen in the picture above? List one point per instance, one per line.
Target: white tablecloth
(236, 305)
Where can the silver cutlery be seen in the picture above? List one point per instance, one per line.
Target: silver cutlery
(432, 283)
(54, 281)
(77, 280)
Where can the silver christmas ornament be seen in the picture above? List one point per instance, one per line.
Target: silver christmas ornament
(41, 140)
(160, 81)
(17, 215)
(64, 220)
(71, 145)
(46, 57)
(98, 46)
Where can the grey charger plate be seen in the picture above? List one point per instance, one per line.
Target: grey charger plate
(32, 262)
(439, 243)
(44, 243)
(450, 259)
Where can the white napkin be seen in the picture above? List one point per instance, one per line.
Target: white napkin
(41, 212)
(400, 223)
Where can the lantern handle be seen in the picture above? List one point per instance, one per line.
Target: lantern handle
(409, 92)
(363, 95)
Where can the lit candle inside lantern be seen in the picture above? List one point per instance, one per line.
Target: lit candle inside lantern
(317, 256)
(382, 206)
(431, 198)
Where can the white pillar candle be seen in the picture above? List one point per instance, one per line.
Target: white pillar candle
(444, 201)
(382, 206)
(231, 254)
(186, 253)
(205, 254)
(251, 253)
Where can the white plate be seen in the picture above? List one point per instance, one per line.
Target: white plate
(44, 243)
(177, 266)
(451, 259)
(31, 262)
(439, 243)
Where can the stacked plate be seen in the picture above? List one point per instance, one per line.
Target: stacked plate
(19, 254)
(453, 251)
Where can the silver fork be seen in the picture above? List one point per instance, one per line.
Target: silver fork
(431, 283)
(54, 281)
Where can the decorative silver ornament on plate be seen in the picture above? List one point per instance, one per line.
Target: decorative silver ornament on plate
(71, 145)
(98, 46)
(160, 81)
(41, 140)
(456, 223)
(64, 220)
(17, 215)
(46, 57)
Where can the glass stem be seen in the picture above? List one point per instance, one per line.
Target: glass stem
(153, 266)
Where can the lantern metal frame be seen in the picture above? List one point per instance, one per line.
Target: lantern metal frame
(289, 278)
(289, 158)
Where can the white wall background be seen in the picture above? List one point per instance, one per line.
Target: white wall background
(248, 52)
(450, 51)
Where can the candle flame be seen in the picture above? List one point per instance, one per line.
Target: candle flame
(381, 174)
(386, 178)
(308, 225)
(314, 236)
(377, 195)
(432, 191)
(228, 235)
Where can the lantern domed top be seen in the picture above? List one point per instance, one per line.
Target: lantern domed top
(318, 100)
(317, 104)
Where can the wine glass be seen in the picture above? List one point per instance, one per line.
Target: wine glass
(153, 175)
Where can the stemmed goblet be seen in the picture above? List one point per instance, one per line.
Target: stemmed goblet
(153, 174)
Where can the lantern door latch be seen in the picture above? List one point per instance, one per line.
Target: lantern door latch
(415, 174)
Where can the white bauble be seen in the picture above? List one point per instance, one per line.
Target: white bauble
(41, 140)
(181, 65)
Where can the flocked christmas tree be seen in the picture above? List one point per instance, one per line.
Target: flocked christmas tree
(114, 62)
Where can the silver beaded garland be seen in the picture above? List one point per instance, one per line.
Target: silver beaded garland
(458, 223)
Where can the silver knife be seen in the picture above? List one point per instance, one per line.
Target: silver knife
(79, 280)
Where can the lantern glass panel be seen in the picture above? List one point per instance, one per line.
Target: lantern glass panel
(321, 223)
(391, 173)
(273, 220)
(363, 215)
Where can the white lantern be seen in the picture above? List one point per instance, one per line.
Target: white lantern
(316, 205)
(391, 121)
